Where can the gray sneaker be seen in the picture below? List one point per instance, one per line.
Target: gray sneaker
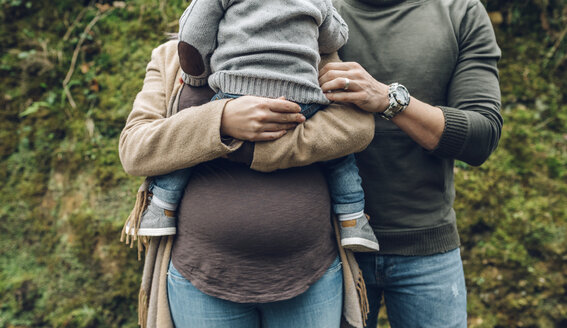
(157, 222)
(357, 235)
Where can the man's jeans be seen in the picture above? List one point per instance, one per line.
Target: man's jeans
(419, 291)
(318, 307)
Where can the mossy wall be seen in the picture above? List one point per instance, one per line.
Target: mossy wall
(69, 71)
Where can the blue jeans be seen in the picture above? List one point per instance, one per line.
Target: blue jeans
(170, 187)
(419, 291)
(318, 307)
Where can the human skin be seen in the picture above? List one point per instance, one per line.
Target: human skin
(152, 143)
(259, 119)
(422, 122)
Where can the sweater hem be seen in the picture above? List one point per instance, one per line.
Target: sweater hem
(419, 242)
(264, 87)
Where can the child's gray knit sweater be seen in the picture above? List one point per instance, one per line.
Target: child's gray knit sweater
(266, 48)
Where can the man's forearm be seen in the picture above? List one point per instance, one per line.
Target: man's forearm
(422, 122)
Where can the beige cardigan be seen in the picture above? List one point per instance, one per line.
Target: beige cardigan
(152, 143)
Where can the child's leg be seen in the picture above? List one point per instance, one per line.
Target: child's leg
(309, 110)
(159, 218)
(347, 195)
(168, 189)
(345, 185)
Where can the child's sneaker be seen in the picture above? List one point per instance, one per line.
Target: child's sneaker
(357, 235)
(156, 221)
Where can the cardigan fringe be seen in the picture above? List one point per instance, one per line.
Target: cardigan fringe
(143, 305)
(130, 229)
(362, 298)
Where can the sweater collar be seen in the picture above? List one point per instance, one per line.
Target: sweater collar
(378, 3)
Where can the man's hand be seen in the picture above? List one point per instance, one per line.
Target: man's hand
(350, 82)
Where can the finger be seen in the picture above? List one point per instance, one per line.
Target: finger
(336, 66)
(268, 136)
(275, 127)
(274, 117)
(339, 84)
(282, 106)
(335, 74)
(352, 97)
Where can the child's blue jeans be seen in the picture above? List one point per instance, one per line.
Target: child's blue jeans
(345, 185)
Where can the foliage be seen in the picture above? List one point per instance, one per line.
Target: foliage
(512, 209)
(64, 196)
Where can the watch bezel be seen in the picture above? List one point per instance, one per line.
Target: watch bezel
(397, 104)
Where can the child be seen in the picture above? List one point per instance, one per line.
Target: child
(263, 48)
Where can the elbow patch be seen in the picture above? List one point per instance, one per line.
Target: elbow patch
(190, 59)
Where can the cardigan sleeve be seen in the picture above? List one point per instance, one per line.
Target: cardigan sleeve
(473, 123)
(151, 144)
(336, 131)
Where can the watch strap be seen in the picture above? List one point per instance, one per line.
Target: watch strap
(394, 108)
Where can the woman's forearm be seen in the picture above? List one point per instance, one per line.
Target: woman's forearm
(336, 131)
(154, 146)
(151, 144)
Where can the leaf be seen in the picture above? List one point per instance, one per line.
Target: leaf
(34, 108)
(85, 68)
(496, 17)
(94, 86)
(103, 7)
(119, 4)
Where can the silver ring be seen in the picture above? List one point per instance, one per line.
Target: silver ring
(347, 83)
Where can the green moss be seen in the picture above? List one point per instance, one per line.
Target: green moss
(64, 195)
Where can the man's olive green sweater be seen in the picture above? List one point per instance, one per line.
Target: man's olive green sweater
(445, 53)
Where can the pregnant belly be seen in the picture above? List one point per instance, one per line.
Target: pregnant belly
(234, 210)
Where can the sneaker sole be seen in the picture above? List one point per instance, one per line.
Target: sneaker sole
(153, 231)
(359, 245)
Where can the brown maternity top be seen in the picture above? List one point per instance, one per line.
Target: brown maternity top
(247, 236)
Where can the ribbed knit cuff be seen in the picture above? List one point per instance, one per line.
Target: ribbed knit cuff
(195, 81)
(454, 135)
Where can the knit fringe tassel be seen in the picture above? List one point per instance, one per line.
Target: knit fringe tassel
(133, 223)
(362, 297)
(143, 305)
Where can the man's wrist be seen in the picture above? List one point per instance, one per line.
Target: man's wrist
(398, 101)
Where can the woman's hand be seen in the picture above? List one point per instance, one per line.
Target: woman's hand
(350, 82)
(259, 119)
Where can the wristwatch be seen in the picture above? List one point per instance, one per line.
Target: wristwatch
(399, 98)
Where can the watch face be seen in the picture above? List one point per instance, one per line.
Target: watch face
(402, 95)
